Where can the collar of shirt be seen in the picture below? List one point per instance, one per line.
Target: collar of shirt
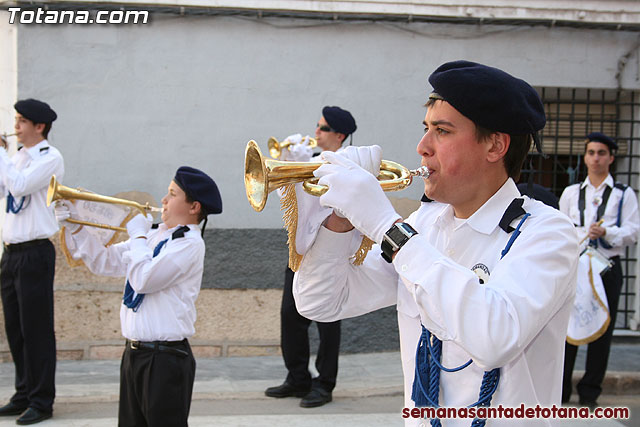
(487, 218)
(163, 230)
(34, 151)
(607, 181)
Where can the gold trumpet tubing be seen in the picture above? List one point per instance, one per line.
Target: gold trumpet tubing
(393, 177)
(98, 225)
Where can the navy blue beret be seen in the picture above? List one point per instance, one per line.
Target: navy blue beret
(36, 111)
(200, 187)
(601, 137)
(340, 120)
(489, 97)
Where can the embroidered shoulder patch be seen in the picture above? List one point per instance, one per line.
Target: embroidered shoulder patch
(482, 272)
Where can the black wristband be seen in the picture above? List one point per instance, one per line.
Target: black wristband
(395, 238)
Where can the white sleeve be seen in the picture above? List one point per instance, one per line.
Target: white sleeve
(104, 261)
(32, 178)
(327, 287)
(148, 274)
(627, 233)
(494, 322)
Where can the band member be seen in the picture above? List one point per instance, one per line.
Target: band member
(333, 128)
(164, 269)
(28, 261)
(587, 203)
(482, 278)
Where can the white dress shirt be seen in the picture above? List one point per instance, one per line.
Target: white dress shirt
(170, 281)
(517, 320)
(28, 173)
(617, 237)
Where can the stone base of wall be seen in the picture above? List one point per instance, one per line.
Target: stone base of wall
(230, 321)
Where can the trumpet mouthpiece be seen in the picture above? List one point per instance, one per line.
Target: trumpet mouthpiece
(422, 172)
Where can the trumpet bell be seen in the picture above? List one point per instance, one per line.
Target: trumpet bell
(262, 175)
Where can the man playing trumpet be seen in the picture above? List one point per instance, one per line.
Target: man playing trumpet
(483, 277)
(28, 261)
(164, 269)
(332, 129)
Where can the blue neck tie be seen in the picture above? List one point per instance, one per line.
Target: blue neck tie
(130, 298)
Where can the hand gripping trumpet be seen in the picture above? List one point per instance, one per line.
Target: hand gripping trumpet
(262, 176)
(276, 147)
(57, 191)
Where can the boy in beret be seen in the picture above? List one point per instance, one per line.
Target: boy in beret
(332, 129)
(163, 267)
(28, 261)
(483, 277)
(586, 203)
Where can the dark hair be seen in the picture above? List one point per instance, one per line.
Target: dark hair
(202, 214)
(517, 152)
(611, 153)
(45, 131)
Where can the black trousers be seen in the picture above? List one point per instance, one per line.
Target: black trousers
(590, 386)
(294, 339)
(26, 279)
(156, 385)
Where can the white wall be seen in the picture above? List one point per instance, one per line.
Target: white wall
(137, 101)
(8, 87)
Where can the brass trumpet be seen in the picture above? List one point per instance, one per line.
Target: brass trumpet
(57, 191)
(276, 147)
(262, 176)
(3, 138)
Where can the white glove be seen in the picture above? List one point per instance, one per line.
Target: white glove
(357, 195)
(298, 151)
(294, 139)
(139, 226)
(368, 158)
(64, 210)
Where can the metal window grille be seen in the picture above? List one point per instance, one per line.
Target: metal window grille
(572, 113)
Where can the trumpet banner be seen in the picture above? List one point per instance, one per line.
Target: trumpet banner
(104, 213)
(590, 314)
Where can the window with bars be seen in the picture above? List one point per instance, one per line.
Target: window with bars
(572, 113)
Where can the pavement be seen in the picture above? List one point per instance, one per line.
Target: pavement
(229, 391)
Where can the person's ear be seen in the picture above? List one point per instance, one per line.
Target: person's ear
(196, 208)
(498, 146)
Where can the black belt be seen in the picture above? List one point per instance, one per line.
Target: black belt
(11, 247)
(166, 346)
